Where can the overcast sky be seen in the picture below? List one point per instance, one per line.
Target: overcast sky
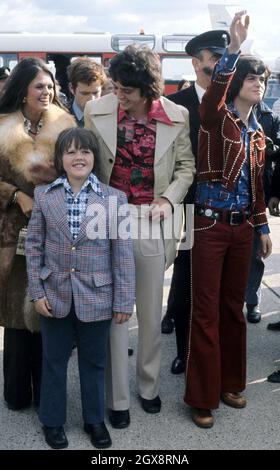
(123, 16)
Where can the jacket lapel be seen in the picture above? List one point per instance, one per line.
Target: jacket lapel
(93, 199)
(165, 134)
(58, 209)
(106, 125)
(104, 114)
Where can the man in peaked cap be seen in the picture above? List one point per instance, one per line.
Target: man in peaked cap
(205, 50)
(215, 41)
(4, 74)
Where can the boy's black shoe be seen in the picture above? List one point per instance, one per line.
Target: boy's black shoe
(100, 437)
(55, 437)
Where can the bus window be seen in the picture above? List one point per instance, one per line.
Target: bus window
(176, 68)
(8, 60)
(120, 41)
(176, 42)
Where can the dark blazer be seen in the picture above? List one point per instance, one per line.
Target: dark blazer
(189, 99)
(270, 123)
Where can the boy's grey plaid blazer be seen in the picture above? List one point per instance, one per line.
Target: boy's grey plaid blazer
(99, 274)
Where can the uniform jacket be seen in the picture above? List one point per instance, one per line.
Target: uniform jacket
(189, 99)
(221, 150)
(18, 153)
(98, 273)
(174, 164)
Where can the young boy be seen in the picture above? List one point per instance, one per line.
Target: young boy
(76, 280)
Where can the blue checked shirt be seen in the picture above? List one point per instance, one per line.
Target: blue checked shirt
(77, 203)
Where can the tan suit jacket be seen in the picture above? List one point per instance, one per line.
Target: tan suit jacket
(174, 164)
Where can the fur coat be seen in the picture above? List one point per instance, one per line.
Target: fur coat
(22, 161)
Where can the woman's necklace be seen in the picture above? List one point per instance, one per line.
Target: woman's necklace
(28, 126)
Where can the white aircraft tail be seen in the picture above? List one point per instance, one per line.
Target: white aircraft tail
(219, 16)
(221, 19)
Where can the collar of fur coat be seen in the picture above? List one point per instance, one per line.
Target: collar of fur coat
(21, 150)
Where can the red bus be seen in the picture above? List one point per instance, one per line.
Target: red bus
(59, 49)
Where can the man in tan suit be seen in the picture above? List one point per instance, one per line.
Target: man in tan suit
(145, 152)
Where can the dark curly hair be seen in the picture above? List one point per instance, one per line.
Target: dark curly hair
(138, 67)
(246, 65)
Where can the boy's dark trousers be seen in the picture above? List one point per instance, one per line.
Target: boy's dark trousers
(91, 339)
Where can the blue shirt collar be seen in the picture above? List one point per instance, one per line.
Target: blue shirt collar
(78, 113)
(92, 181)
(253, 124)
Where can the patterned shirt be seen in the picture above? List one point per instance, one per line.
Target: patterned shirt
(77, 203)
(214, 194)
(133, 171)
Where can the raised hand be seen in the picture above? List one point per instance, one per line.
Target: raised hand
(238, 31)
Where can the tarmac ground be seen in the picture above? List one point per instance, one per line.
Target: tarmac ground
(255, 427)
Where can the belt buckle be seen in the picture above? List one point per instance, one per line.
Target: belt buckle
(208, 212)
(232, 214)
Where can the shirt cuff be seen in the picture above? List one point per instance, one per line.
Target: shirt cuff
(227, 62)
(263, 229)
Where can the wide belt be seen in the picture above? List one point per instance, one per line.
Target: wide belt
(222, 215)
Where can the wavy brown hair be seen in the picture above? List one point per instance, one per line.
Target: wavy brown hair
(85, 70)
(138, 67)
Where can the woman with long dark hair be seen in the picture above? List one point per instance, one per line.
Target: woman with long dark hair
(31, 117)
